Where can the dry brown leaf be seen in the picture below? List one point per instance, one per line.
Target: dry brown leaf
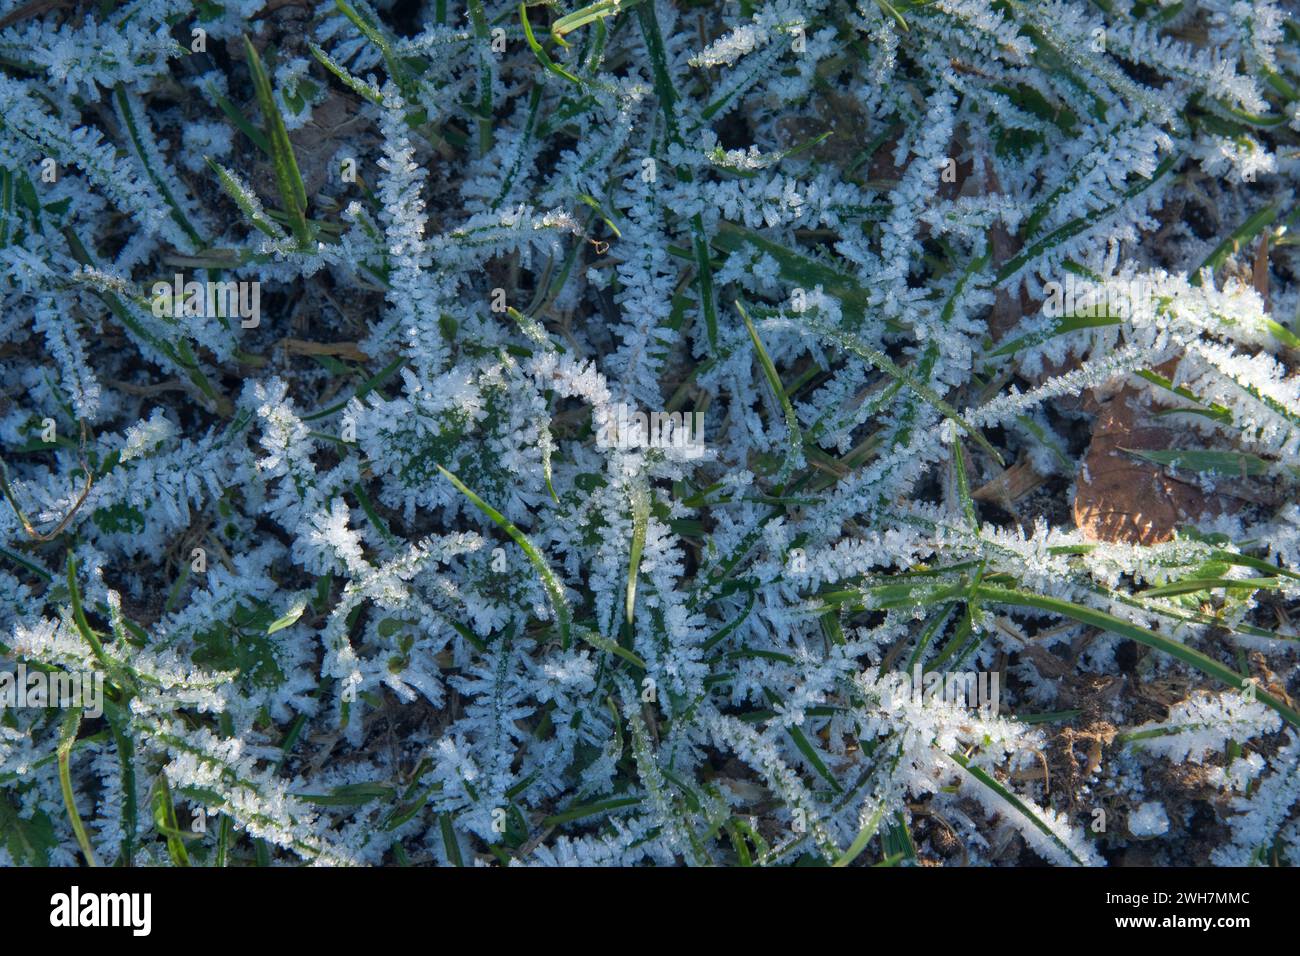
(1046, 663)
(843, 117)
(1122, 498)
(348, 350)
(1259, 277)
(1007, 308)
(1011, 485)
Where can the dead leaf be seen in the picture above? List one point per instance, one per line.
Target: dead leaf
(1011, 485)
(1259, 279)
(1046, 663)
(348, 350)
(1007, 308)
(850, 127)
(1122, 498)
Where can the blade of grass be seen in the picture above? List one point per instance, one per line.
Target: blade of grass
(1012, 799)
(344, 76)
(588, 14)
(1209, 460)
(133, 124)
(179, 354)
(245, 199)
(551, 584)
(67, 736)
(667, 96)
(862, 839)
(1247, 231)
(83, 626)
(591, 809)
(774, 381)
(449, 839)
(293, 193)
(963, 484)
(640, 495)
(1109, 622)
(236, 116)
(1078, 225)
(164, 818)
(883, 363)
(539, 51)
(126, 755)
(478, 17)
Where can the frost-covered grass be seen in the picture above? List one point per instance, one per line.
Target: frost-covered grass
(980, 320)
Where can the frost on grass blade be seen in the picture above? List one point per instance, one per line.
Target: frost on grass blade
(412, 568)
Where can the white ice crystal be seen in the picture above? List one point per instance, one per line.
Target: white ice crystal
(1148, 820)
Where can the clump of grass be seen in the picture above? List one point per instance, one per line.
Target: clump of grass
(403, 502)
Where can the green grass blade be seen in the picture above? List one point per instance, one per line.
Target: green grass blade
(1015, 802)
(293, 193)
(236, 116)
(555, 590)
(588, 14)
(1209, 460)
(883, 363)
(862, 839)
(133, 124)
(538, 51)
(963, 484)
(344, 76)
(478, 17)
(1239, 237)
(67, 736)
(774, 380)
(377, 35)
(591, 809)
(1075, 226)
(640, 494)
(245, 199)
(1109, 622)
